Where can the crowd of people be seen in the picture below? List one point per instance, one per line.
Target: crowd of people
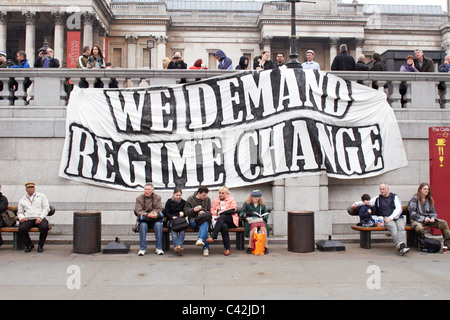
(208, 217)
(93, 58)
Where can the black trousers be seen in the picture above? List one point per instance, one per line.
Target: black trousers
(2, 224)
(223, 223)
(27, 225)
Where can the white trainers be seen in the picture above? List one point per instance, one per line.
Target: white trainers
(200, 243)
(402, 249)
(206, 252)
(159, 252)
(141, 253)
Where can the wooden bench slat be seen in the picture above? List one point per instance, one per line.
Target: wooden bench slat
(16, 229)
(359, 228)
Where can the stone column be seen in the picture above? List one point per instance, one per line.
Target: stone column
(96, 35)
(30, 35)
(310, 193)
(333, 43)
(59, 36)
(131, 51)
(159, 52)
(88, 29)
(3, 30)
(359, 47)
(279, 215)
(265, 44)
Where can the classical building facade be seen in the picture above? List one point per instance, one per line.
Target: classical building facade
(198, 28)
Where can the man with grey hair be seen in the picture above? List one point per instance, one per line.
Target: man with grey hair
(343, 61)
(422, 63)
(361, 64)
(388, 206)
(148, 210)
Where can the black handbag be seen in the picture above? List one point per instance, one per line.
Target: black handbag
(202, 218)
(178, 224)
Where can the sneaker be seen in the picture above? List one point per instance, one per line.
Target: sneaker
(200, 243)
(403, 251)
(205, 252)
(141, 253)
(159, 252)
(400, 246)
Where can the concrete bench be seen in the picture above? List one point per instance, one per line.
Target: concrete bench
(17, 240)
(365, 233)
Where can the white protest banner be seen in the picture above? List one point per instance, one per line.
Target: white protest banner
(235, 130)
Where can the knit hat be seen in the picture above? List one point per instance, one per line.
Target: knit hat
(256, 194)
(3, 53)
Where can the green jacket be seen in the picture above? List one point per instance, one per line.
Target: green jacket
(249, 208)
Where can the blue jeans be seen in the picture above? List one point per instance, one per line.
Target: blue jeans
(143, 228)
(202, 231)
(178, 238)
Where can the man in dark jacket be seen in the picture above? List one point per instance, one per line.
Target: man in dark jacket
(361, 65)
(46, 60)
(343, 61)
(378, 65)
(423, 63)
(3, 207)
(177, 63)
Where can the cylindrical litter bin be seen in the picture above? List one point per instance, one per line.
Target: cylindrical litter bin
(301, 231)
(87, 232)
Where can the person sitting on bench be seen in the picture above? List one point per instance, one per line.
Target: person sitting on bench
(148, 210)
(388, 205)
(223, 204)
(32, 211)
(422, 212)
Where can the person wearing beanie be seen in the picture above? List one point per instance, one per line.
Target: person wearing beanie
(255, 203)
(4, 61)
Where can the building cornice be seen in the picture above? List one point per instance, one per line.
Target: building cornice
(404, 32)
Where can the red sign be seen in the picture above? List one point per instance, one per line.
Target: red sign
(439, 142)
(106, 49)
(73, 48)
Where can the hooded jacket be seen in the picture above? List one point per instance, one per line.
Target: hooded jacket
(225, 62)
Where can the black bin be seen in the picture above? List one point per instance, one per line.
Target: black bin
(87, 232)
(301, 231)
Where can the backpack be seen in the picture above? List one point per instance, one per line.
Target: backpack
(9, 218)
(429, 245)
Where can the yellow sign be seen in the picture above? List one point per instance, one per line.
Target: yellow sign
(441, 145)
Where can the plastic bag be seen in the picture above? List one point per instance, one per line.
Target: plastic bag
(259, 243)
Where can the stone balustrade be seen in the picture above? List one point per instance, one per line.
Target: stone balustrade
(52, 87)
